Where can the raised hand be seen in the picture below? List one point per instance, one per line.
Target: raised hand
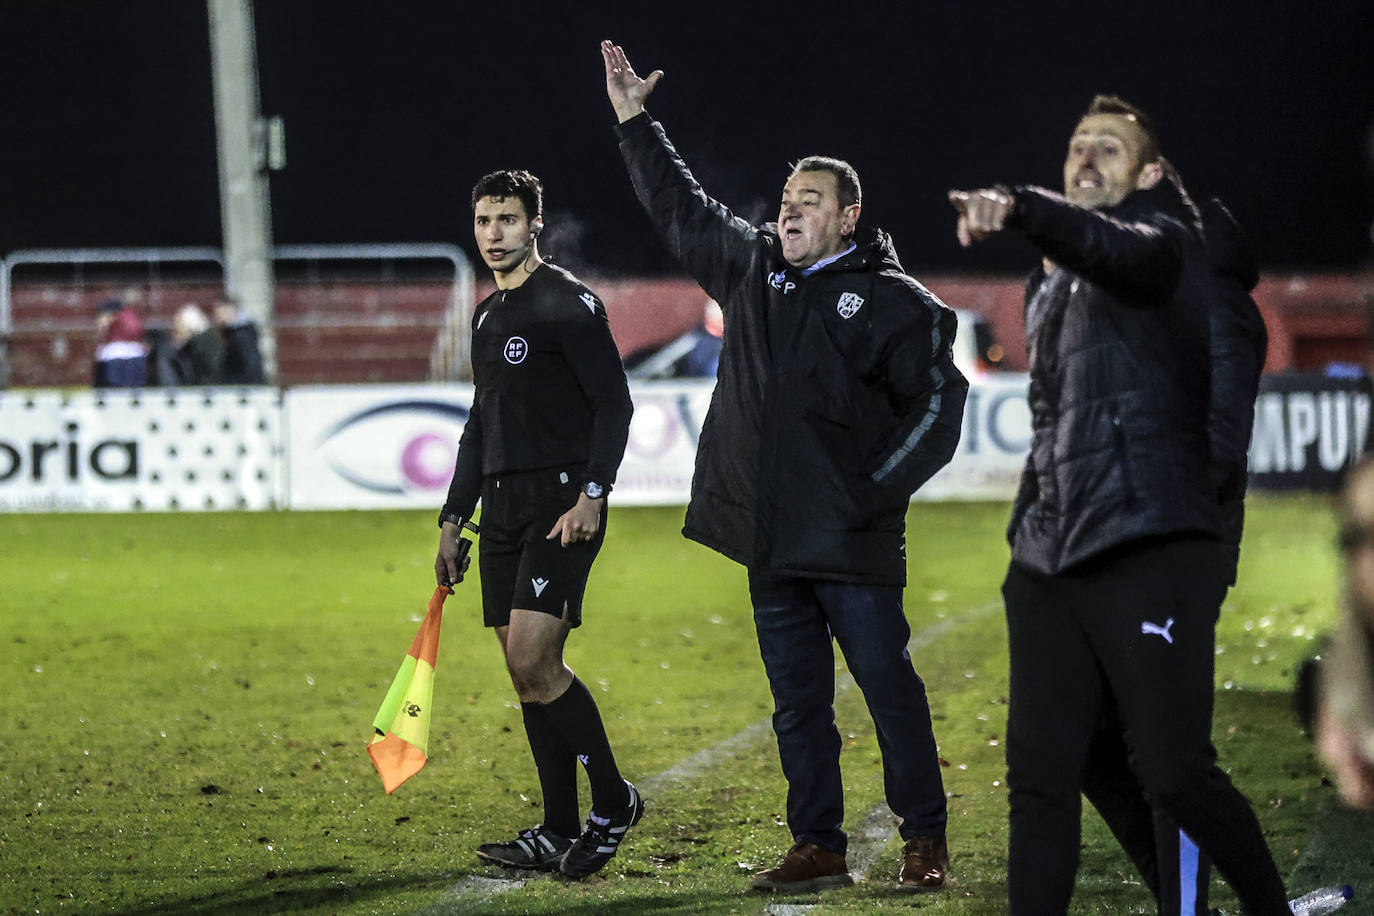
(624, 88)
(981, 213)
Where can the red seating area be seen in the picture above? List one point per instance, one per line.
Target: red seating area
(342, 331)
(53, 340)
(1313, 319)
(642, 312)
(1317, 319)
(327, 331)
(338, 332)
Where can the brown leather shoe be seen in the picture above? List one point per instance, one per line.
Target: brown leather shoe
(806, 867)
(926, 864)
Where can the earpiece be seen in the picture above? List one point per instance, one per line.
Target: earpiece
(535, 228)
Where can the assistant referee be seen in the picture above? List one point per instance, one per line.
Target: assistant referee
(547, 430)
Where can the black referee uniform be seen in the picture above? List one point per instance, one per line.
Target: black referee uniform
(549, 419)
(549, 422)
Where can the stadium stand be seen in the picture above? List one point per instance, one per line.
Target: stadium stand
(350, 321)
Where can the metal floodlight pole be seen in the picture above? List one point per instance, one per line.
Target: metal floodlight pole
(245, 210)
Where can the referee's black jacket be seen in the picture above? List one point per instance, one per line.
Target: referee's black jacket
(551, 391)
(836, 396)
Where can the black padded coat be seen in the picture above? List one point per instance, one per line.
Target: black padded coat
(1119, 336)
(836, 396)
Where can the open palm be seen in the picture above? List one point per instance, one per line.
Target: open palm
(626, 90)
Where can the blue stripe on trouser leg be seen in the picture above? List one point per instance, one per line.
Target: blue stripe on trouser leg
(1187, 873)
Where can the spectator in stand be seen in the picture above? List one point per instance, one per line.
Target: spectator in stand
(200, 352)
(242, 358)
(695, 354)
(121, 358)
(162, 356)
(704, 357)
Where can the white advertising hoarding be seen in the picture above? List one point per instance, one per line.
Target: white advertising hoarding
(372, 447)
(127, 451)
(994, 443)
(393, 446)
(662, 448)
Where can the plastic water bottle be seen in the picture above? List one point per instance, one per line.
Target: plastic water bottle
(1322, 900)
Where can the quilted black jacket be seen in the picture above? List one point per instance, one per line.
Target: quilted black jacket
(1119, 337)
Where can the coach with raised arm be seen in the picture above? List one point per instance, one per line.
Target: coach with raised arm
(836, 399)
(1117, 566)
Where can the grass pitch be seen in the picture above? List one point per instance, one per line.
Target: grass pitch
(189, 698)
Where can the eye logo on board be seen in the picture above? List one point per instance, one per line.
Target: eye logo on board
(425, 436)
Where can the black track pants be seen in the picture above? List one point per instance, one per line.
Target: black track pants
(1130, 633)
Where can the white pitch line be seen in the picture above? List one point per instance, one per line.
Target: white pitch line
(875, 829)
(866, 842)
(708, 758)
(480, 884)
(869, 838)
(873, 832)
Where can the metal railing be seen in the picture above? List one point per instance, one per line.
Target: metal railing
(449, 355)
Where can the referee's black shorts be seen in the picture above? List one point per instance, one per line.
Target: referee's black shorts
(520, 566)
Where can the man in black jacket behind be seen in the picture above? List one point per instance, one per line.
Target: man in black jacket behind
(1168, 860)
(835, 399)
(1117, 573)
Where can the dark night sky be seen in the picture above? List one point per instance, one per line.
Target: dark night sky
(393, 110)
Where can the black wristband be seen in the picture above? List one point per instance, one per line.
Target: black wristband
(451, 518)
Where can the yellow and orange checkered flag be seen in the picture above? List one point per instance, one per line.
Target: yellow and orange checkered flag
(400, 746)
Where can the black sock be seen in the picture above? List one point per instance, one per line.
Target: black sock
(576, 719)
(557, 766)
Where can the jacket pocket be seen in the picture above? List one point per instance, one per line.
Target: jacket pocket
(1123, 453)
(846, 488)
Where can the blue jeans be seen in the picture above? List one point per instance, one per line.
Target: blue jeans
(796, 619)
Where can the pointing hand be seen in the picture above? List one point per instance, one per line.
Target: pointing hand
(981, 213)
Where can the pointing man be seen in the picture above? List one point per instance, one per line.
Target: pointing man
(1117, 573)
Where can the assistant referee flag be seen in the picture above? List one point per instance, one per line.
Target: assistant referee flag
(401, 743)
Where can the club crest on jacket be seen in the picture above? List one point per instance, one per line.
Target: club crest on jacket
(849, 304)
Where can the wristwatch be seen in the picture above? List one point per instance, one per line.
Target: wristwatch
(450, 518)
(593, 490)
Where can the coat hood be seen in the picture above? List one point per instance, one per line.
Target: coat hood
(1228, 250)
(1168, 197)
(873, 250)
